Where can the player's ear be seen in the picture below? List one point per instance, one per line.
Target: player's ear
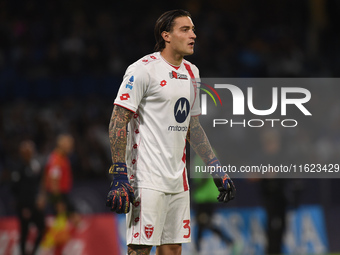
(166, 36)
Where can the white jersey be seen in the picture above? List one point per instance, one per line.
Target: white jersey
(163, 98)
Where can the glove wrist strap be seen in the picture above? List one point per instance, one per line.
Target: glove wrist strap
(217, 171)
(214, 162)
(118, 170)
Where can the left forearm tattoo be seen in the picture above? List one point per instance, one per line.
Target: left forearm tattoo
(118, 132)
(199, 140)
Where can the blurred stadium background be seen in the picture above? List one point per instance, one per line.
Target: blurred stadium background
(61, 63)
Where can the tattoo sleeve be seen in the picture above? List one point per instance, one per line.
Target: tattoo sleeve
(118, 132)
(199, 140)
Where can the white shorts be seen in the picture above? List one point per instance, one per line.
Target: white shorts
(159, 218)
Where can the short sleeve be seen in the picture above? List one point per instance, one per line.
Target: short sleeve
(133, 88)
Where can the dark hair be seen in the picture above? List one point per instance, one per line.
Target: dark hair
(165, 23)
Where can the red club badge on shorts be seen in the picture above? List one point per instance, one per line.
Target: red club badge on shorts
(148, 229)
(125, 96)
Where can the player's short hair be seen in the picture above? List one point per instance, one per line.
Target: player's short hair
(165, 23)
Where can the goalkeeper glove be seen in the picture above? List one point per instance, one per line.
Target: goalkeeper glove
(121, 193)
(223, 182)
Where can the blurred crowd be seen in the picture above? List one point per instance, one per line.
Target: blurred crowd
(61, 62)
(86, 120)
(49, 39)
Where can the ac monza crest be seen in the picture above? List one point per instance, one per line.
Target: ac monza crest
(148, 229)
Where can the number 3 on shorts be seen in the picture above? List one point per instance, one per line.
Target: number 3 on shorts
(187, 225)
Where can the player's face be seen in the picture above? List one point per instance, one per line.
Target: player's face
(182, 37)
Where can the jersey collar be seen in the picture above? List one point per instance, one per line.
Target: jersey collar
(176, 67)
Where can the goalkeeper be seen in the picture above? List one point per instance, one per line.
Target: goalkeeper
(155, 112)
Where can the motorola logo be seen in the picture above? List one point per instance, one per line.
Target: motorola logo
(181, 109)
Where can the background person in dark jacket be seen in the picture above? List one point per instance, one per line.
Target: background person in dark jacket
(25, 177)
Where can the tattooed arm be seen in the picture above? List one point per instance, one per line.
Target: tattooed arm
(118, 132)
(200, 143)
(121, 193)
(199, 140)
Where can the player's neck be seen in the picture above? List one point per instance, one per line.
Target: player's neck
(172, 58)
